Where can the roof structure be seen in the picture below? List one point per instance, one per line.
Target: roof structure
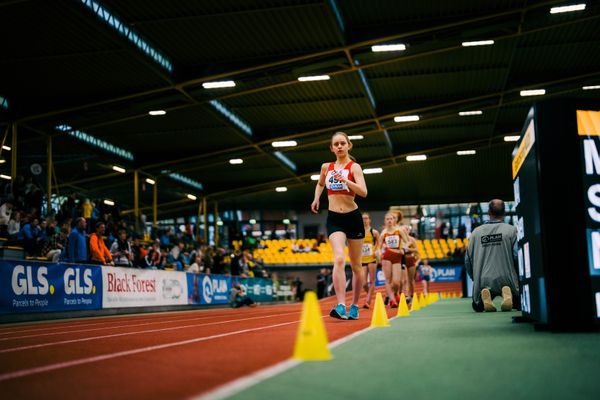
(87, 72)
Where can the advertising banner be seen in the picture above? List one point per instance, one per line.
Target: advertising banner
(38, 287)
(208, 289)
(446, 274)
(128, 287)
(258, 289)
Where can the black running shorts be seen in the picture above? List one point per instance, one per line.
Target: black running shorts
(350, 223)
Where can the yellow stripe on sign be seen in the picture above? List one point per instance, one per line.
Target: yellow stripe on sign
(524, 148)
(588, 123)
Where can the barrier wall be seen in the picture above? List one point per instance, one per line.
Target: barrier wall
(29, 286)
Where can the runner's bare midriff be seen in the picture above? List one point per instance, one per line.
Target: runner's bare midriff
(341, 203)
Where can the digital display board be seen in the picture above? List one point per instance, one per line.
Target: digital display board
(556, 182)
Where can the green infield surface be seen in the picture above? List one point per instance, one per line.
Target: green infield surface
(446, 351)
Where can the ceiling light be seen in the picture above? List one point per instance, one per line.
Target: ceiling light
(219, 223)
(478, 43)
(286, 221)
(281, 189)
(406, 118)
(285, 143)
(119, 169)
(596, 87)
(7, 148)
(109, 202)
(417, 157)
(466, 113)
(150, 181)
(191, 197)
(372, 171)
(2, 160)
(157, 112)
(388, 47)
(5, 177)
(313, 78)
(511, 138)
(235, 161)
(315, 177)
(252, 221)
(533, 92)
(466, 152)
(218, 84)
(564, 9)
(356, 137)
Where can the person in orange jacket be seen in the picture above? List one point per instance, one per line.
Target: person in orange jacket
(99, 253)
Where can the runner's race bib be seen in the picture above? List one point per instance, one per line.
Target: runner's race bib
(367, 249)
(334, 184)
(392, 242)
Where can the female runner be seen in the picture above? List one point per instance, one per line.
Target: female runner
(391, 258)
(344, 179)
(369, 259)
(411, 258)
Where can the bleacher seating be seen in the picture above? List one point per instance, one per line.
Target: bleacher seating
(279, 252)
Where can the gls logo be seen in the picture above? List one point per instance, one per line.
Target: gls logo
(73, 281)
(23, 281)
(207, 290)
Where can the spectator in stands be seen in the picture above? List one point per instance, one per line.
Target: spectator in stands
(490, 261)
(86, 209)
(77, 249)
(56, 245)
(297, 283)
(196, 266)
(176, 256)
(14, 225)
(99, 253)
(238, 297)
(31, 236)
(121, 251)
(5, 214)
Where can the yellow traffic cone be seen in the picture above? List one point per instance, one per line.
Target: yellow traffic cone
(422, 301)
(415, 303)
(403, 307)
(311, 340)
(379, 318)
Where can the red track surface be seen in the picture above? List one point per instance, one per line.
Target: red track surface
(174, 355)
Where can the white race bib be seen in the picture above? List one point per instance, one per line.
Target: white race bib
(335, 185)
(393, 241)
(367, 249)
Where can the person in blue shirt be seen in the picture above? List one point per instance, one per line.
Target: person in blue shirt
(77, 250)
(30, 235)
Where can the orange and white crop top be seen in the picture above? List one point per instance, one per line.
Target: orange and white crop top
(336, 187)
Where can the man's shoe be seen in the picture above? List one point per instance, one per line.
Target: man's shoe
(486, 297)
(338, 312)
(507, 302)
(353, 313)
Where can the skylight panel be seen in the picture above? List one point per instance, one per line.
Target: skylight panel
(128, 33)
(231, 116)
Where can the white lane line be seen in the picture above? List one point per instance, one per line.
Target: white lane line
(132, 318)
(234, 387)
(107, 327)
(72, 363)
(37, 346)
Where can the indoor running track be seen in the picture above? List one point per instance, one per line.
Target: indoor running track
(164, 355)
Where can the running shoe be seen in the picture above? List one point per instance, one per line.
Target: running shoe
(397, 299)
(386, 301)
(507, 302)
(486, 297)
(338, 312)
(353, 313)
(366, 306)
(393, 304)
